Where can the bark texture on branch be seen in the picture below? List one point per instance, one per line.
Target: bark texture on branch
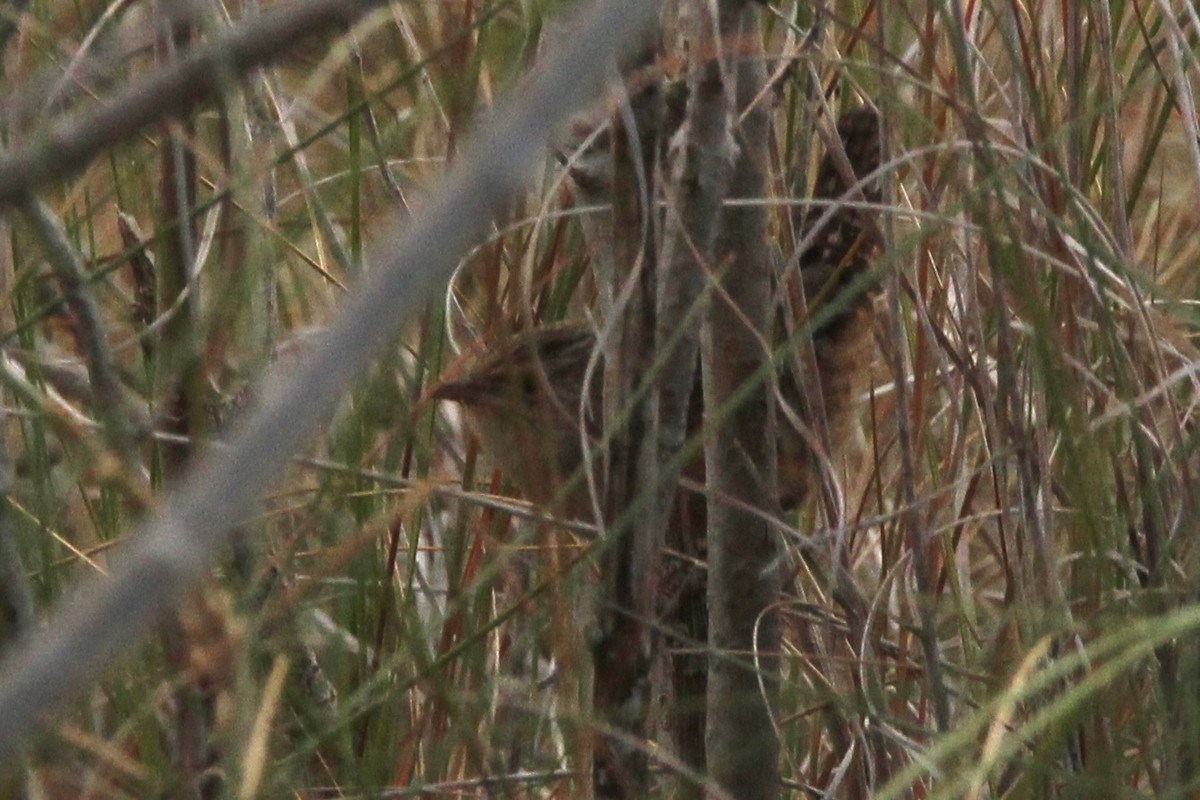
(744, 554)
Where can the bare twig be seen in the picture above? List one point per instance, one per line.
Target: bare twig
(66, 146)
(89, 329)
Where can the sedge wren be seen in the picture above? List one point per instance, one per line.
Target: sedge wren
(523, 396)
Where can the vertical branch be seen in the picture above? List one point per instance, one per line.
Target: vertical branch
(177, 189)
(744, 574)
(701, 170)
(240, 334)
(177, 368)
(89, 330)
(621, 655)
(17, 603)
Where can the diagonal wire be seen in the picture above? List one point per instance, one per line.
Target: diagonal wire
(107, 616)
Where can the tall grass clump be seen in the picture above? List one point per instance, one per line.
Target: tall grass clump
(989, 591)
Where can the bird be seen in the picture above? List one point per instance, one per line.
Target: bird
(534, 401)
(524, 396)
(523, 401)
